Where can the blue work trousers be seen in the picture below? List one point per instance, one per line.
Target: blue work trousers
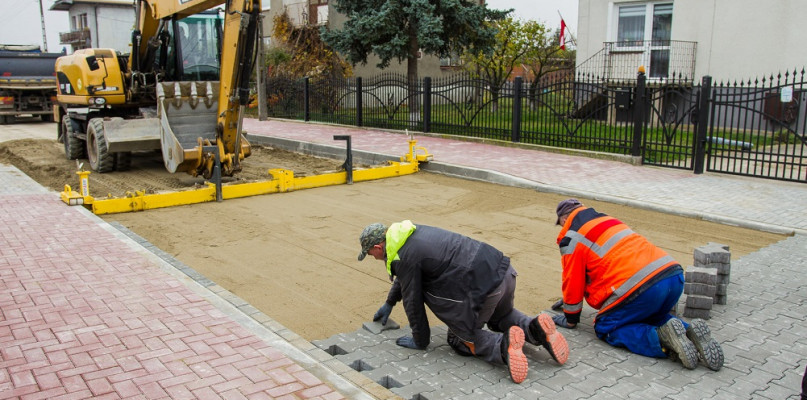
(633, 324)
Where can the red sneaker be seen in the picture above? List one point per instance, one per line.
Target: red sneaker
(514, 356)
(552, 340)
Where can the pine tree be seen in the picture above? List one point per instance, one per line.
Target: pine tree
(399, 29)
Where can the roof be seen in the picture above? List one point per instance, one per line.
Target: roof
(64, 5)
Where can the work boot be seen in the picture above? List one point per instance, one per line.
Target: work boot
(709, 350)
(673, 339)
(543, 330)
(513, 355)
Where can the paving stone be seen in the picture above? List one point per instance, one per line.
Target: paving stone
(697, 302)
(376, 327)
(712, 253)
(700, 289)
(706, 276)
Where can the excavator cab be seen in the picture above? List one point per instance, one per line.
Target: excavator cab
(193, 51)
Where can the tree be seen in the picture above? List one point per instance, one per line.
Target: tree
(496, 63)
(399, 29)
(544, 56)
(300, 51)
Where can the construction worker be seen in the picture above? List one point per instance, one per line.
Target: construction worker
(466, 284)
(632, 283)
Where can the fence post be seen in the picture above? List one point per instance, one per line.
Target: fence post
(427, 104)
(306, 107)
(358, 102)
(639, 99)
(703, 123)
(516, 136)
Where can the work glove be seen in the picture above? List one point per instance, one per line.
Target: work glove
(407, 341)
(558, 306)
(561, 321)
(383, 313)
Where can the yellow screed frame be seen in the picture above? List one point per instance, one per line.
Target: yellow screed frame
(282, 181)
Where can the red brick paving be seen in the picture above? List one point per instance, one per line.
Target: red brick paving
(83, 314)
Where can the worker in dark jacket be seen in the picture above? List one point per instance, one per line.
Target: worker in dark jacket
(466, 284)
(632, 283)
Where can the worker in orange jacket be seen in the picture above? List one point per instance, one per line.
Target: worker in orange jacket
(632, 283)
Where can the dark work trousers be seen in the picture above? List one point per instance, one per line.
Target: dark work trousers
(498, 313)
(804, 385)
(633, 324)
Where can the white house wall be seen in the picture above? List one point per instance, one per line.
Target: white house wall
(110, 27)
(741, 39)
(736, 39)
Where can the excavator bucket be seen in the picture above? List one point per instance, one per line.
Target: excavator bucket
(188, 113)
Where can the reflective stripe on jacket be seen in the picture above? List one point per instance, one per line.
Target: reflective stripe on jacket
(604, 261)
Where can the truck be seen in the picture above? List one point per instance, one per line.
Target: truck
(27, 82)
(182, 89)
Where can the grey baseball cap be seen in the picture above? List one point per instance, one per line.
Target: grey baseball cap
(372, 235)
(565, 207)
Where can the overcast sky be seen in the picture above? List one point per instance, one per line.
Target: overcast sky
(21, 23)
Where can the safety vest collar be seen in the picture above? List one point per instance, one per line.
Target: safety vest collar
(397, 234)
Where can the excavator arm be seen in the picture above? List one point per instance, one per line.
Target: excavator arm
(198, 116)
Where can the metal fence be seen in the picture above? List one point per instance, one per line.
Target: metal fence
(752, 128)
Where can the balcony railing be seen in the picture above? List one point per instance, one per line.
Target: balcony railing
(75, 37)
(662, 59)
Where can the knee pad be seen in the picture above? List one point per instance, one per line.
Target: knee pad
(458, 345)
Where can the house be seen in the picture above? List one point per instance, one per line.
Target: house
(688, 39)
(97, 23)
(320, 12)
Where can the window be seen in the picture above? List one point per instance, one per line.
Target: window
(646, 28)
(79, 22)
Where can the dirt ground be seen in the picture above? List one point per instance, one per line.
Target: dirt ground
(293, 255)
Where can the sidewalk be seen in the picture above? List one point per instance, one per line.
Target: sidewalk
(115, 317)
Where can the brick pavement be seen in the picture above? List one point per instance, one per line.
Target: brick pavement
(106, 318)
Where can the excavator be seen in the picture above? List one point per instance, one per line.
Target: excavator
(182, 89)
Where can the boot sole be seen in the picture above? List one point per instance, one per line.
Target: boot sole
(673, 335)
(709, 350)
(516, 360)
(555, 343)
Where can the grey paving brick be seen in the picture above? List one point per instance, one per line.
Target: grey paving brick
(712, 253)
(700, 275)
(700, 289)
(690, 312)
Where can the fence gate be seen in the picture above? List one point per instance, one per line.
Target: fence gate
(758, 128)
(670, 124)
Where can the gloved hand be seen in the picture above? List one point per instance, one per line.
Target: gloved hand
(558, 306)
(383, 313)
(407, 341)
(561, 321)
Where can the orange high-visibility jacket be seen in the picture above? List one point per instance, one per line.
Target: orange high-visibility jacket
(604, 261)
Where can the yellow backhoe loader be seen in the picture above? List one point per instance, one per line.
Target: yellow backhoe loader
(182, 89)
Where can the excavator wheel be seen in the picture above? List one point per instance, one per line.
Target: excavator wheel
(100, 159)
(73, 148)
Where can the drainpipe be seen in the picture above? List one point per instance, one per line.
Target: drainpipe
(95, 11)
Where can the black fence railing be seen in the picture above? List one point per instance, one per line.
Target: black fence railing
(755, 129)
(662, 59)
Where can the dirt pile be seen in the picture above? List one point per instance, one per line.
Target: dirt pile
(44, 161)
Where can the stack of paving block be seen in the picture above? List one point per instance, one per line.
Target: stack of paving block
(706, 282)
